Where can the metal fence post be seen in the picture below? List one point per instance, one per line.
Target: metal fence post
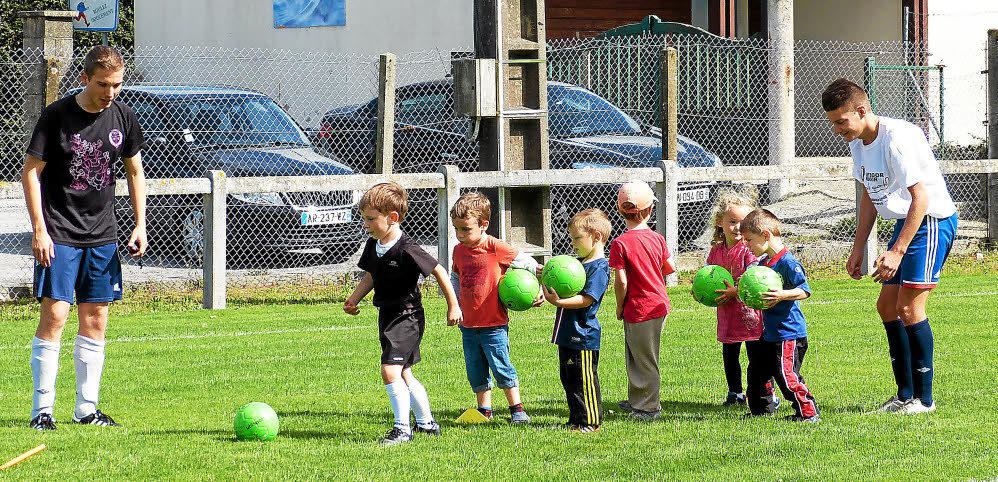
(385, 146)
(870, 249)
(669, 104)
(214, 242)
(446, 197)
(667, 211)
(992, 179)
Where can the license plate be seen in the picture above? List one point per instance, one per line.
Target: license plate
(694, 195)
(333, 216)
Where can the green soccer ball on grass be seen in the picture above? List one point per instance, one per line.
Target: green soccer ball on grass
(756, 281)
(709, 279)
(518, 288)
(256, 421)
(565, 275)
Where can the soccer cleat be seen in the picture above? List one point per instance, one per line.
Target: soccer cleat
(395, 436)
(585, 429)
(915, 406)
(734, 399)
(519, 416)
(799, 418)
(432, 429)
(96, 418)
(645, 416)
(42, 422)
(892, 404)
(625, 406)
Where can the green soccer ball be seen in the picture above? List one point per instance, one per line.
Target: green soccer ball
(518, 288)
(756, 281)
(256, 421)
(709, 279)
(565, 275)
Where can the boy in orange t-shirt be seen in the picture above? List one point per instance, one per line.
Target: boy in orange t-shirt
(479, 261)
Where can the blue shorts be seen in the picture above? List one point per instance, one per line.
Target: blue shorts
(94, 274)
(486, 348)
(923, 261)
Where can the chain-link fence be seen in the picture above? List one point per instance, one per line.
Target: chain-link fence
(259, 113)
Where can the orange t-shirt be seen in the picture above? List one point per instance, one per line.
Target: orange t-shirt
(479, 270)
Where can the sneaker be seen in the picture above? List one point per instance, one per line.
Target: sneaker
(432, 429)
(585, 429)
(395, 436)
(893, 404)
(776, 402)
(798, 418)
(519, 416)
(42, 422)
(486, 412)
(734, 399)
(645, 416)
(96, 418)
(915, 406)
(625, 406)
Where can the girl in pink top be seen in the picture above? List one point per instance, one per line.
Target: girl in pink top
(736, 323)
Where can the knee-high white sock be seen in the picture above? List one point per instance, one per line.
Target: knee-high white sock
(44, 368)
(398, 395)
(88, 356)
(420, 403)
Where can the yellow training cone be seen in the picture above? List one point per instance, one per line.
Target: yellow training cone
(471, 415)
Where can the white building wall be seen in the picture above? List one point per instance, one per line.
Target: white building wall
(307, 70)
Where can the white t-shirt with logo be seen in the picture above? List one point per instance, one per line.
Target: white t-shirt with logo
(897, 159)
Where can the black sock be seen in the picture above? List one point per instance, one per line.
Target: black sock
(920, 337)
(900, 352)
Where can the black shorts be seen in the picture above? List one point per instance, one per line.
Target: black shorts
(400, 330)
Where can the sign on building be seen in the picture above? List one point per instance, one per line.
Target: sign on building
(94, 15)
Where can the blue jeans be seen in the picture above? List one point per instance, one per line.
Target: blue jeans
(486, 348)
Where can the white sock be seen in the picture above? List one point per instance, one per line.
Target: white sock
(420, 403)
(398, 395)
(44, 368)
(88, 355)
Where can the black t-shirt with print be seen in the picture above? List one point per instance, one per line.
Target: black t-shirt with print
(80, 150)
(396, 274)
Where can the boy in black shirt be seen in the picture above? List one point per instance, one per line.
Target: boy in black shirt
(68, 181)
(393, 263)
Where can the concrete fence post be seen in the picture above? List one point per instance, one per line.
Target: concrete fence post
(992, 179)
(214, 242)
(669, 95)
(446, 197)
(667, 210)
(385, 147)
(781, 92)
(50, 34)
(870, 250)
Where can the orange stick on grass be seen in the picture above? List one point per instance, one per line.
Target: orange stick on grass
(20, 458)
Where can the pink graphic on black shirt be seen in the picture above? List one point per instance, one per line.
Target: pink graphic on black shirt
(90, 166)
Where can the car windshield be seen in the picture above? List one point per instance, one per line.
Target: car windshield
(575, 112)
(236, 122)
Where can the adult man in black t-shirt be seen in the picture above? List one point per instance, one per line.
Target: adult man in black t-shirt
(69, 189)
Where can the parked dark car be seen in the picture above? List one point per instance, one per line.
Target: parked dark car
(585, 131)
(192, 129)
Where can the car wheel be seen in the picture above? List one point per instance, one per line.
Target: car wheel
(192, 227)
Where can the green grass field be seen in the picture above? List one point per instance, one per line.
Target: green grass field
(176, 375)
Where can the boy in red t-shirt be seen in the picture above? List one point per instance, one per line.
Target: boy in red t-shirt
(479, 261)
(641, 260)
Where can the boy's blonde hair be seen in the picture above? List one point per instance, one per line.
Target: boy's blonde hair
(592, 221)
(104, 57)
(745, 195)
(385, 198)
(472, 205)
(761, 220)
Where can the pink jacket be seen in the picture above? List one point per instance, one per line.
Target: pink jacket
(735, 321)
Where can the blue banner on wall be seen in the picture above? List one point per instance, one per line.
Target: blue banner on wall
(309, 13)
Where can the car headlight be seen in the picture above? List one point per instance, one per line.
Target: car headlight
(268, 198)
(357, 194)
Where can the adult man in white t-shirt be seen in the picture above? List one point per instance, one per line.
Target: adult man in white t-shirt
(902, 181)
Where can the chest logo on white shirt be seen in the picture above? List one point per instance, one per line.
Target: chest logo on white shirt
(874, 181)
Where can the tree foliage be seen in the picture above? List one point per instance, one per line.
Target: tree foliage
(12, 26)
